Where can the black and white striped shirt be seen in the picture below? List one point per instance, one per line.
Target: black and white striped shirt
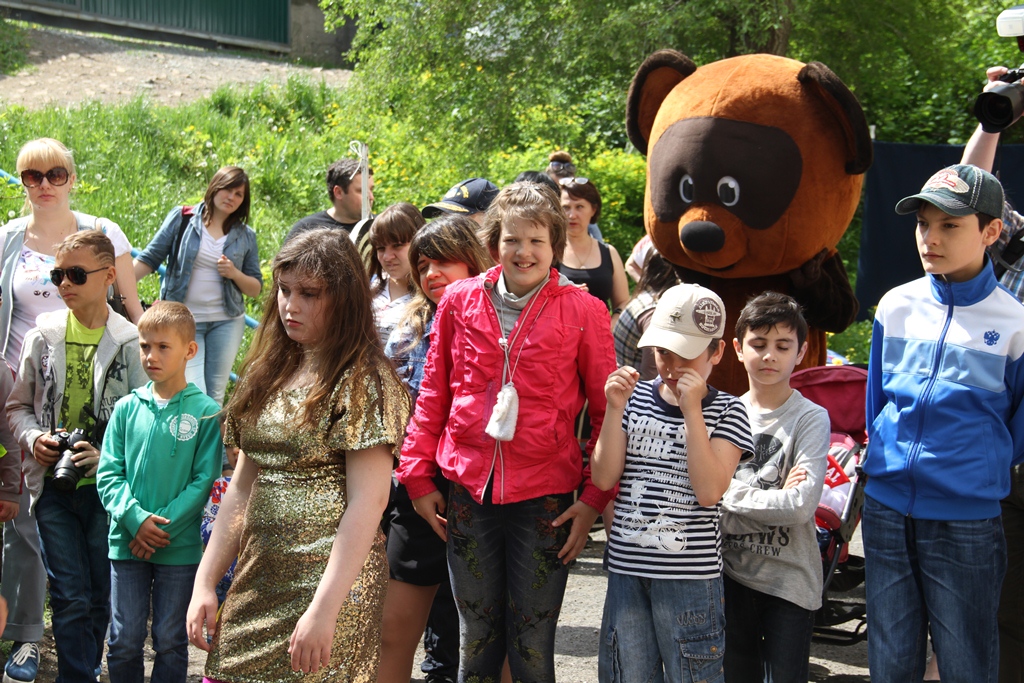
(660, 531)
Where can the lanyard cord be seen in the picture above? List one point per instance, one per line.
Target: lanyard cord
(509, 370)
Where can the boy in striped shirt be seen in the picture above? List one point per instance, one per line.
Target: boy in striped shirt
(672, 445)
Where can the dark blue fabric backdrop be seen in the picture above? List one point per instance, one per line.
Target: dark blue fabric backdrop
(888, 252)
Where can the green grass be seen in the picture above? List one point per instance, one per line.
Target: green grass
(13, 47)
(136, 161)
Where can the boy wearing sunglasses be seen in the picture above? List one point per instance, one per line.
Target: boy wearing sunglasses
(75, 365)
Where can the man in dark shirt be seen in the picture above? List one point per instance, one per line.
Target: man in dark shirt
(345, 188)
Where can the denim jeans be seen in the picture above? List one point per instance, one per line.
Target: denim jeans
(656, 630)
(508, 583)
(944, 573)
(132, 584)
(767, 638)
(218, 344)
(73, 540)
(1011, 600)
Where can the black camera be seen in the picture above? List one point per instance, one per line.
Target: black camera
(999, 108)
(66, 474)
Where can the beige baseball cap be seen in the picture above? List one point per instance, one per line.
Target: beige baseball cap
(685, 321)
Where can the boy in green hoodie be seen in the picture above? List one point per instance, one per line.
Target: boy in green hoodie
(161, 453)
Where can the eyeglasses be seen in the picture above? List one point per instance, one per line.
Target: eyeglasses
(76, 274)
(559, 165)
(57, 176)
(573, 181)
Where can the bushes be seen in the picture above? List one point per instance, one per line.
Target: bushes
(12, 47)
(136, 161)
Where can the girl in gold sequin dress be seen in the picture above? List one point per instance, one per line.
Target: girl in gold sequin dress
(319, 415)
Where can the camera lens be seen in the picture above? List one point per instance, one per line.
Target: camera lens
(999, 107)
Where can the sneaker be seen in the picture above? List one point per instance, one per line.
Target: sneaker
(23, 664)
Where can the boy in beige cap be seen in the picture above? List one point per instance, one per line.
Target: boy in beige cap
(672, 445)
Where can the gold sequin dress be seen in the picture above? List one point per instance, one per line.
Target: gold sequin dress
(290, 524)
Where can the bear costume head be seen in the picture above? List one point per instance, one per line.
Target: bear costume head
(754, 171)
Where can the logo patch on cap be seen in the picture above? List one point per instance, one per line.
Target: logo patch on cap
(947, 178)
(458, 190)
(707, 316)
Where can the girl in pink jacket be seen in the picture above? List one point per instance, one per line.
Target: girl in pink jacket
(515, 354)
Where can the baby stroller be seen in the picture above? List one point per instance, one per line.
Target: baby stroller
(839, 389)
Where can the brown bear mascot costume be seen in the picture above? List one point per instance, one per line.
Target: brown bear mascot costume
(754, 171)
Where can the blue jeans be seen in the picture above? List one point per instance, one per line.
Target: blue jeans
(73, 540)
(1011, 601)
(944, 573)
(508, 583)
(656, 630)
(218, 344)
(132, 584)
(767, 638)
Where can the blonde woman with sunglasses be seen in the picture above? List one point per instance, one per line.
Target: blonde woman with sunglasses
(47, 171)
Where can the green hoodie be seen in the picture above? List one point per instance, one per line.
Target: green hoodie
(160, 461)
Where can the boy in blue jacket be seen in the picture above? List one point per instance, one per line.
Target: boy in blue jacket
(946, 377)
(161, 453)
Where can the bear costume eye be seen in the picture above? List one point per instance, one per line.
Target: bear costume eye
(728, 191)
(686, 188)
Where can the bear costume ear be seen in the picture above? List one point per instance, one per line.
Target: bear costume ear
(652, 83)
(846, 109)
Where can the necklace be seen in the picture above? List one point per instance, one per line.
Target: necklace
(37, 241)
(583, 262)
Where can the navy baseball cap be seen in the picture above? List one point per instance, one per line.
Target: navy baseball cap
(959, 190)
(468, 197)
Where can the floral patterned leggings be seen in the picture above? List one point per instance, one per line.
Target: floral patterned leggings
(508, 583)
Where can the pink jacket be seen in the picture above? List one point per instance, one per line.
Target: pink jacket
(566, 356)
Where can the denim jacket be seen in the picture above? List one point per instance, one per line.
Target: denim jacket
(239, 246)
(408, 361)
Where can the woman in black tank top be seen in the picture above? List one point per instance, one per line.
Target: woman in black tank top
(587, 261)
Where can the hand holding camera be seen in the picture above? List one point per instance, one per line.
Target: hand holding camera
(1002, 102)
(46, 450)
(78, 459)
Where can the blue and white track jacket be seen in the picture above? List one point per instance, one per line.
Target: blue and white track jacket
(946, 378)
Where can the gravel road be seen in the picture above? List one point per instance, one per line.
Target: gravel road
(66, 68)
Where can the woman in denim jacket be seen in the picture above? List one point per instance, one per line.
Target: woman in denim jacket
(211, 262)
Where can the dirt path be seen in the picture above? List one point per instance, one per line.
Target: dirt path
(66, 68)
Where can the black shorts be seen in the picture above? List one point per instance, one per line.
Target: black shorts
(416, 555)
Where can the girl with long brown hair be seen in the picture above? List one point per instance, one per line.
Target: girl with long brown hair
(319, 415)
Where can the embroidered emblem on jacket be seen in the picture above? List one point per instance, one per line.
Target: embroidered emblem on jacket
(185, 429)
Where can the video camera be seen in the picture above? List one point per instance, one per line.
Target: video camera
(999, 107)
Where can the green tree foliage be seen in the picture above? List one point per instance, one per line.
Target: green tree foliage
(488, 88)
(470, 70)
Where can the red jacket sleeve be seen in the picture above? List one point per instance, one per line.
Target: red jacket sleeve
(418, 464)
(596, 360)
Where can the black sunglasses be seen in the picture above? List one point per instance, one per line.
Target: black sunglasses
(76, 274)
(57, 176)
